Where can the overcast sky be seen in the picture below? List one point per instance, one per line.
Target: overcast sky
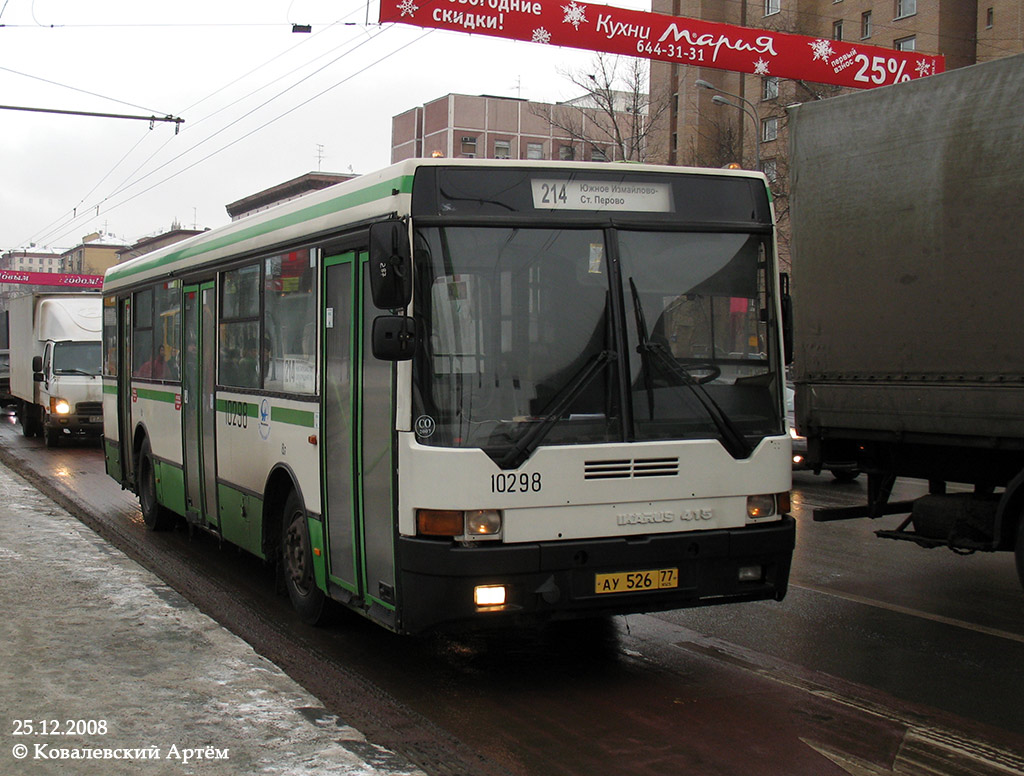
(256, 98)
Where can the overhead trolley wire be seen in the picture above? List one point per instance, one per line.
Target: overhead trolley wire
(79, 213)
(250, 133)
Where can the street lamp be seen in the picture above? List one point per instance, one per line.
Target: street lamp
(747, 107)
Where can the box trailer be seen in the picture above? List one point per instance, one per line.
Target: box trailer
(907, 205)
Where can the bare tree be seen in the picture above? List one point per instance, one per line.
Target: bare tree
(615, 110)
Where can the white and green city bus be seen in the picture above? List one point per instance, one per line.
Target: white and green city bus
(470, 393)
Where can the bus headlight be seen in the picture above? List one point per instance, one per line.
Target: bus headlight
(59, 406)
(467, 526)
(483, 522)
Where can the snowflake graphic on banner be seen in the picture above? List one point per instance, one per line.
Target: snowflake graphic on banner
(760, 67)
(822, 49)
(540, 35)
(924, 67)
(574, 14)
(408, 8)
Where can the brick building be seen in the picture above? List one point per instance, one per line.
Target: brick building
(463, 126)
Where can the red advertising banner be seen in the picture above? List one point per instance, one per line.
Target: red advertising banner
(669, 39)
(51, 279)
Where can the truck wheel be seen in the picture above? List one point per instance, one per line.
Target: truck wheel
(297, 559)
(156, 517)
(51, 436)
(26, 414)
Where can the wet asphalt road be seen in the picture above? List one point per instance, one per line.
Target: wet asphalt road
(884, 658)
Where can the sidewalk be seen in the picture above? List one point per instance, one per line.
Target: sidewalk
(106, 670)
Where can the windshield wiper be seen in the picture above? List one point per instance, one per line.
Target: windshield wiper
(731, 437)
(530, 441)
(74, 371)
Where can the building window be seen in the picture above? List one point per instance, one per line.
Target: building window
(770, 88)
(598, 154)
(534, 150)
(502, 149)
(990, 17)
(566, 153)
(469, 146)
(837, 30)
(770, 169)
(770, 7)
(769, 129)
(906, 44)
(865, 24)
(905, 8)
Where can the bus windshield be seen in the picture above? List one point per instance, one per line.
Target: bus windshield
(598, 335)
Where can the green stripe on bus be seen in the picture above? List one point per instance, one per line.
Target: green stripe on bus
(292, 417)
(156, 395)
(362, 197)
(111, 389)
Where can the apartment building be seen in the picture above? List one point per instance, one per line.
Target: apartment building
(461, 126)
(92, 256)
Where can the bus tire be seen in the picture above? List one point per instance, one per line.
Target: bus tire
(1018, 552)
(156, 517)
(297, 562)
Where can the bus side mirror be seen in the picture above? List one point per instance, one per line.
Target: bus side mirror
(390, 265)
(787, 317)
(394, 337)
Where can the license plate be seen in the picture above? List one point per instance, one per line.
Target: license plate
(95, 418)
(636, 581)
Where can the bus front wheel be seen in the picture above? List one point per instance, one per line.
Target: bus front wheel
(297, 551)
(156, 517)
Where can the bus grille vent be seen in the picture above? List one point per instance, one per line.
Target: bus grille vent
(628, 468)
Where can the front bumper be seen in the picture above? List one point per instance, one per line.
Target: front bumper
(556, 580)
(77, 425)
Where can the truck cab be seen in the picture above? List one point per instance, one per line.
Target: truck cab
(70, 392)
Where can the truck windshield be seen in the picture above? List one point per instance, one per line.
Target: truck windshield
(597, 335)
(77, 358)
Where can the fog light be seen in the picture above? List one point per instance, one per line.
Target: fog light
(483, 522)
(760, 506)
(489, 595)
(750, 573)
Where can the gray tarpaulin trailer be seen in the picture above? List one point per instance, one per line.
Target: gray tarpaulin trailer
(907, 216)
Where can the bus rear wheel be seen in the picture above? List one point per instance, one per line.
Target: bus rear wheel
(297, 559)
(1019, 551)
(156, 517)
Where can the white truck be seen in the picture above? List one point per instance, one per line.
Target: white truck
(56, 357)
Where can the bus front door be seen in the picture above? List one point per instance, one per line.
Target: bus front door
(357, 430)
(198, 408)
